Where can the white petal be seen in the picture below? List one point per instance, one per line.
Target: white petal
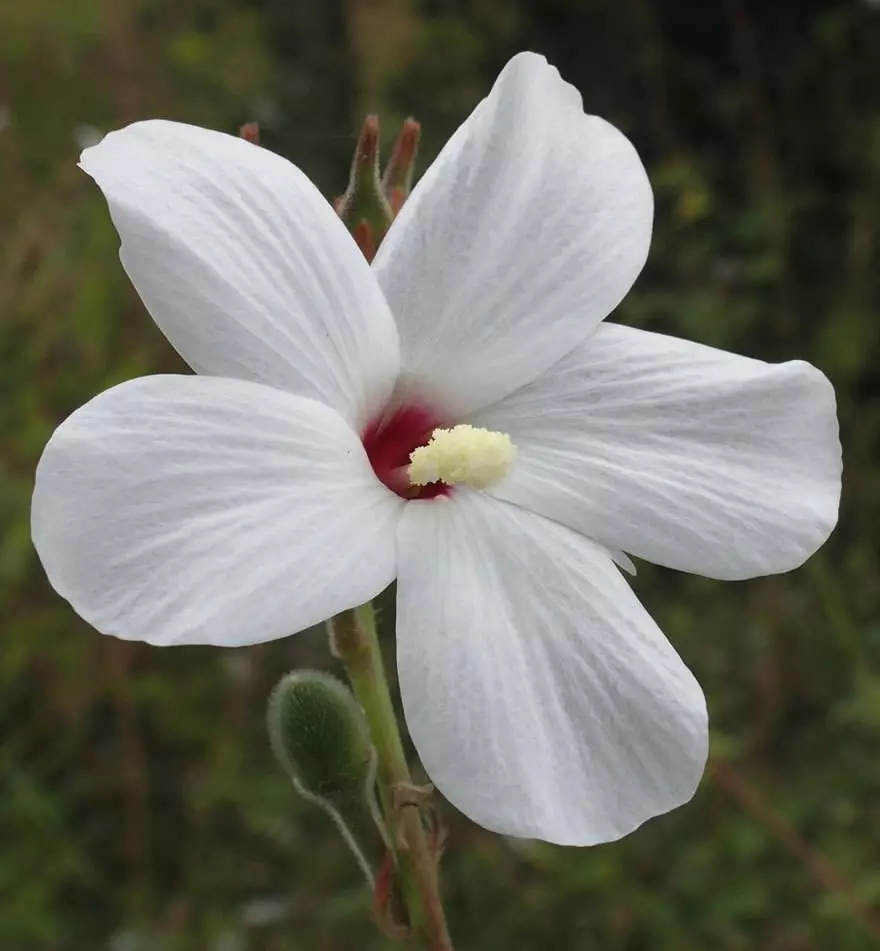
(200, 510)
(245, 267)
(527, 230)
(543, 700)
(685, 455)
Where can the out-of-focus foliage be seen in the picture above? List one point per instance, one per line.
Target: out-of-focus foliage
(140, 808)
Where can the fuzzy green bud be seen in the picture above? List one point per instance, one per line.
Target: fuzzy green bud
(319, 735)
(364, 207)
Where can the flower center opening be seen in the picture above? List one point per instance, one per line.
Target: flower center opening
(389, 442)
(417, 458)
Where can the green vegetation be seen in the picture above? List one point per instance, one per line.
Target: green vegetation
(140, 806)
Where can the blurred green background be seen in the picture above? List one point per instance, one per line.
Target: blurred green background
(140, 809)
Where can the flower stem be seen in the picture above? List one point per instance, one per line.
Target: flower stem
(356, 643)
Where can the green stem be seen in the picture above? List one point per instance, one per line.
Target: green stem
(356, 642)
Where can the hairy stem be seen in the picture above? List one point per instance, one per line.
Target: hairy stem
(356, 643)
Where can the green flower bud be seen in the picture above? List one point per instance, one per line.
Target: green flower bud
(364, 207)
(320, 736)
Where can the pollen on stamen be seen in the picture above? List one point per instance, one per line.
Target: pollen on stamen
(464, 454)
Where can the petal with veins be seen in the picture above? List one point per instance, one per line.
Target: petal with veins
(543, 700)
(528, 229)
(687, 456)
(245, 266)
(201, 510)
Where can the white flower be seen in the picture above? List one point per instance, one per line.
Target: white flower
(240, 505)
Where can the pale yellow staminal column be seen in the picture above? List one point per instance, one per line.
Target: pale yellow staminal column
(464, 455)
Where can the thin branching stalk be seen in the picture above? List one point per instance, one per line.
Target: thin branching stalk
(356, 643)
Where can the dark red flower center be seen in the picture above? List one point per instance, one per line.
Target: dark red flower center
(389, 442)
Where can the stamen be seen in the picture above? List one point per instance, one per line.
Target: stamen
(463, 454)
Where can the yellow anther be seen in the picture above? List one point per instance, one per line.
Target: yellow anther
(477, 457)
